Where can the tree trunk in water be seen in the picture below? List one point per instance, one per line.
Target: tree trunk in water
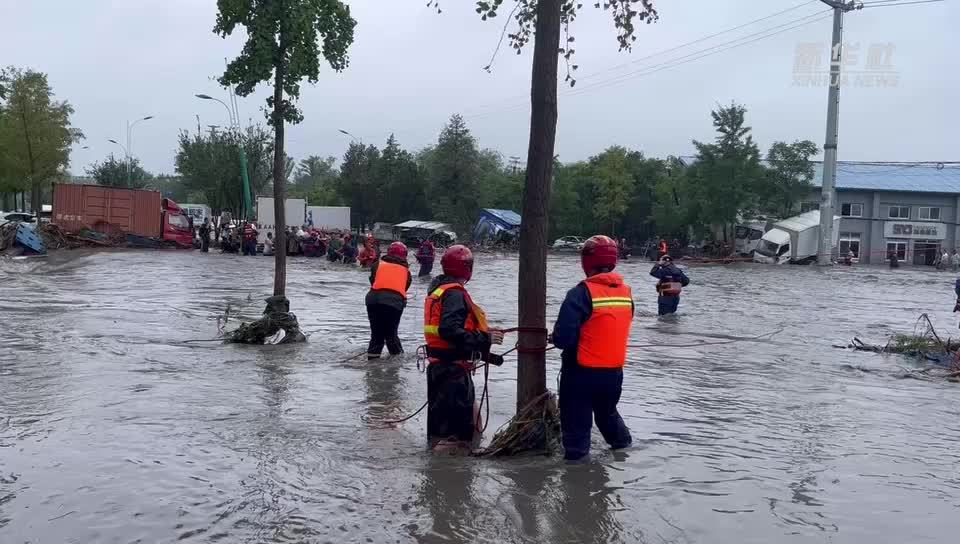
(279, 191)
(531, 367)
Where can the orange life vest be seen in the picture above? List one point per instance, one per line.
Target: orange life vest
(663, 247)
(433, 310)
(603, 338)
(391, 276)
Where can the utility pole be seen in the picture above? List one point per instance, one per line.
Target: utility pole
(828, 187)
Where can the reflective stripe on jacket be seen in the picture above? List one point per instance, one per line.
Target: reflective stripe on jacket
(604, 336)
(433, 310)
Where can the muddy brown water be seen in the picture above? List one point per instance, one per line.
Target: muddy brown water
(113, 430)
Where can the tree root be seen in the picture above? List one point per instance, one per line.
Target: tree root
(535, 428)
(276, 317)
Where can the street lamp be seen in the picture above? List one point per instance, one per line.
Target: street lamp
(130, 129)
(355, 139)
(127, 155)
(235, 127)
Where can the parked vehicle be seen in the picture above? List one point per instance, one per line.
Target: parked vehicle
(329, 217)
(138, 212)
(794, 240)
(747, 237)
(568, 243)
(20, 217)
(295, 210)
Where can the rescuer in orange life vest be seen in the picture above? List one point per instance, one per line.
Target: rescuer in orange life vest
(389, 281)
(592, 330)
(457, 335)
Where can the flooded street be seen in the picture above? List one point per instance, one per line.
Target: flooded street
(114, 430)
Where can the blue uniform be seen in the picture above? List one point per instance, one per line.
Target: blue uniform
(585, 393)
(668, 304)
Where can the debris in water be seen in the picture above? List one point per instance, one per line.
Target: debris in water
(535, 428)
(276, 317)
(924, 344)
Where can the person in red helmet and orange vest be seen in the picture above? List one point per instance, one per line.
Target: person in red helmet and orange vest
(389, 281)
(457, 335)
(592, 329)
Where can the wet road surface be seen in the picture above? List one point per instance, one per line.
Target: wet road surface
(114, 430)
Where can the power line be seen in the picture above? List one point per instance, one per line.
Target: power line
(677, 47)
(703, 39)
(719, 48)
(882, 4)
(690, 57)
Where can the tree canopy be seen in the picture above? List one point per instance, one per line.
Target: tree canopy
(35, 133)
(112, 172)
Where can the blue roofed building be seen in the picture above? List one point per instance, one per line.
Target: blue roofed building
(493, 224)
(911, 210)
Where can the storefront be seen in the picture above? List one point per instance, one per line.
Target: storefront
(921, 242)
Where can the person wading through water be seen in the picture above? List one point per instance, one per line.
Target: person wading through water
(457, 335)
(672, 280)
(389, 281)
(592, 329)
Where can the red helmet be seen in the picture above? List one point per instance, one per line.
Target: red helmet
(457, 261)
(398, 250)
(598, 252)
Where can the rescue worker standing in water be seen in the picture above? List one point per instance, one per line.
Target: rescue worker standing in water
(457, 335)
(592, 330)
(389, 281)
(672, 280)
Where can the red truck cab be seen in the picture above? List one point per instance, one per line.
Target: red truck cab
(175, 224)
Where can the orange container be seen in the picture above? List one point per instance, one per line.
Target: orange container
(134, 211)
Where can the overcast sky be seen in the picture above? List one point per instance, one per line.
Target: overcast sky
(411, 68)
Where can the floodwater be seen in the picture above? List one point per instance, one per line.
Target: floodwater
(114, 430)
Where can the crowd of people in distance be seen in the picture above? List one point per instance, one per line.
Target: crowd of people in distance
(337, 246)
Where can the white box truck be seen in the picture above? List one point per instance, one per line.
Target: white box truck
(794, 240)
(329, 217)
(295, 210)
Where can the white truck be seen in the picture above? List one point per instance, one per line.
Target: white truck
(295, 210)
(747, 237)
(329, 217)
(794, 240)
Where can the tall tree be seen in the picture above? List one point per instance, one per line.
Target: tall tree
(613, 184)
(35, 132)
(400, 187)
(357, 181)
(282, 43)
(120, 173)
(789, 177)
(543, 20)
(453, 168)
(315, 179)
(210, 165)
(727, 170)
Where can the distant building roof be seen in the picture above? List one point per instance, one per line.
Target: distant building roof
(425, 225)
(925, 177)
(920, 178)
(508, 218)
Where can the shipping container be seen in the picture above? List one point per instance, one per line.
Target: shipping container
(133, 211)
(295, 210)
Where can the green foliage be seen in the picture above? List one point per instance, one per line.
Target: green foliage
(613, 185)
(114, 173)
(315, 179)
(399, 188)
(282, 42)
(357, 184)
(210, 165)
(789, 176)
(35, 133)
(453, 170)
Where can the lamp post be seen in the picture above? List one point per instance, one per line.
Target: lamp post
(127, 155)
(235, 128)
(130, 129)
(355, 139)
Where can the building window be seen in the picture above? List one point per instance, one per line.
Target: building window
(850, 241)
(809, 206)
(899, 247)
(932, 214)
(899, 212)
(851, 210)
